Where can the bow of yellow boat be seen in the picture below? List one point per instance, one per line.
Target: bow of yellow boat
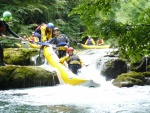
(65, 74)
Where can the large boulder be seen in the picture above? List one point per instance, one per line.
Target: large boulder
(113, 67)
(129, 79)
(26, 76)
(20, 56)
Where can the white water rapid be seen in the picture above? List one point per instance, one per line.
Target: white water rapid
(78, 99)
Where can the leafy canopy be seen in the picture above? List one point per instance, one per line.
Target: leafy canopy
(125, 21)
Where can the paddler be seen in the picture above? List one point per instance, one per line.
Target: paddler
(73, 60)
(7, 16)
(61, 41)
(90, 41)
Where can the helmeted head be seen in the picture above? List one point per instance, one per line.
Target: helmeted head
(7, 16)
(70, 50)
(56, 31)
(50, 25)
(89, 37)
(56, 28)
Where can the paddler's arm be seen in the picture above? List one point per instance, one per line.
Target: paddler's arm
(43, 34)
(81, 62)
(63, 59)
(93, 42)
(11, 32)
(102, 41)
(86, 42)
(52, 41)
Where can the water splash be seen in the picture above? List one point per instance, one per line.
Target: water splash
(78, 99)
(91, 57)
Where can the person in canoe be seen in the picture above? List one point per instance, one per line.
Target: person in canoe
(7, 16)
(100, 42)
(61, 41)
(73, 60)
(44, 32)
(90, 41)
(33, 39)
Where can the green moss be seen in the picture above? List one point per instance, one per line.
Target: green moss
(148, 68)
(129, 79)
(133, 75)
(146, 74)
(29, 52)
(26, 76)
(19, 56)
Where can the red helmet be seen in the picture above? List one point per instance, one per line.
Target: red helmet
(70, 49)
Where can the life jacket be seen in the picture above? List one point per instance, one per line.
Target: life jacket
(61, 40)
(31, 39)
(38, 28)
(89, 42)
(74, 59)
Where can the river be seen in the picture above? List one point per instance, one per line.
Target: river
(78, 99)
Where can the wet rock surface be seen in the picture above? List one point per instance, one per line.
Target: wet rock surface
(26, 76)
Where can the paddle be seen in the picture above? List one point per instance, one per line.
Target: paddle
(43, 43)
(12, 38)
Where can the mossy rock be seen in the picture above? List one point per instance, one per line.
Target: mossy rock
(146, 74)
(19, 56)
(129, 79)
(114, 67)
(26, 76)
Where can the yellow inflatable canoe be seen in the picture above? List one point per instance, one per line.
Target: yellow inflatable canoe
(92, 46)
(26, 44)
(66, 76)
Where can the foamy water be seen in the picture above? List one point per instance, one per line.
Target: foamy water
(78, 99)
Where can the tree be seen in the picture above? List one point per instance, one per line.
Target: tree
(127, 21)
(27, 14)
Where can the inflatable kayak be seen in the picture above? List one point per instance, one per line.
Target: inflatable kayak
(26, 44)
(66, 76)
(92, 46)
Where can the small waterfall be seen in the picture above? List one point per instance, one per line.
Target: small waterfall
(48, 67)
(34, 59)
(95, 59)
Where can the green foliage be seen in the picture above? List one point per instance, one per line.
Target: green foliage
(8, 43)
(129, 79)
(28, 14)
(126, 21)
